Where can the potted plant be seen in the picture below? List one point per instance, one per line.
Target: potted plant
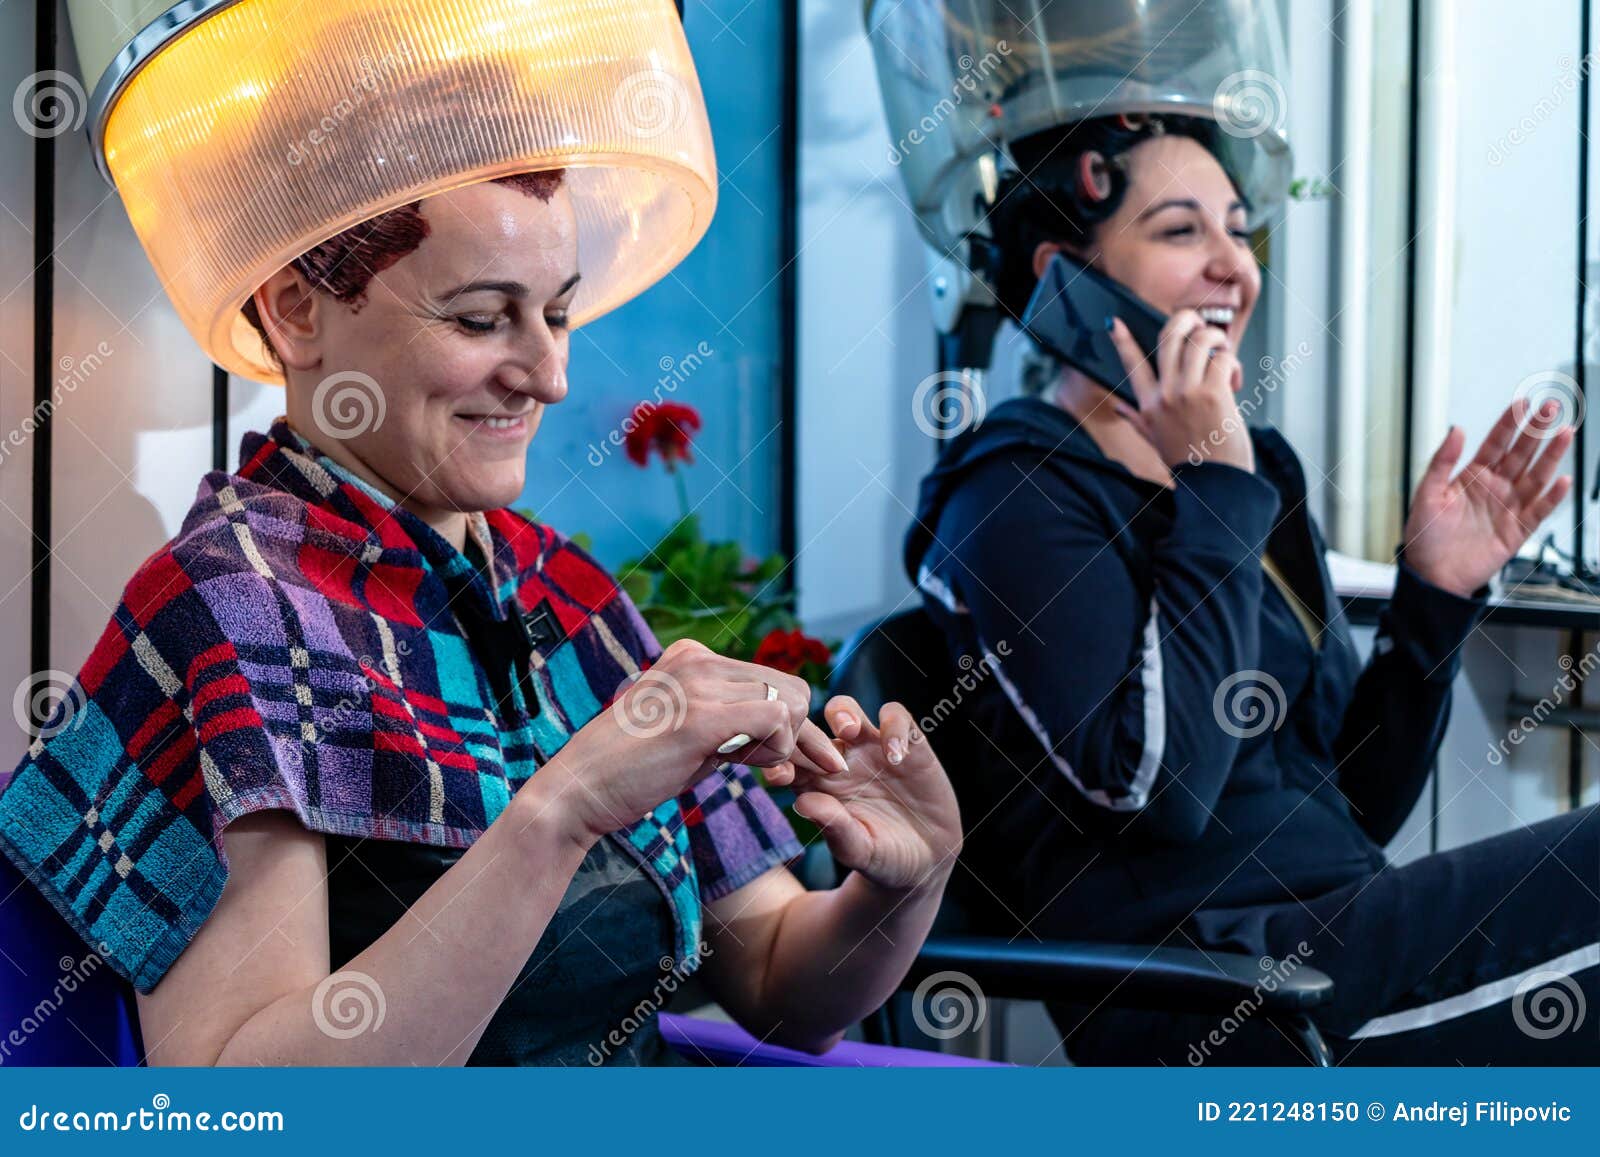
(689, 587)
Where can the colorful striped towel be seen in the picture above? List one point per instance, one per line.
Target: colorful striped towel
(304, 643)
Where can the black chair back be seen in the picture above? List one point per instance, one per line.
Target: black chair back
(903, 658)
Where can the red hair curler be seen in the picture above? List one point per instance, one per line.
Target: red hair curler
(1094, 176)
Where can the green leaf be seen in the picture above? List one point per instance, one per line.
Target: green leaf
(689, 588)
(638, 584)
(769, 569)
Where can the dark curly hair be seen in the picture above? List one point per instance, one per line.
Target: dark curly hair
(1045, 198)
(345, 264)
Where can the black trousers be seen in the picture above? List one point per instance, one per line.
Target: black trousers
(1485, 954)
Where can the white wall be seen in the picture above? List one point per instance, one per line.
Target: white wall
(1510, 271)
(1297, 283)
(1513, 265)
(133, 436)
(866, 335)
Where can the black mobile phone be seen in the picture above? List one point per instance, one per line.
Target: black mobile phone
(1068, 314)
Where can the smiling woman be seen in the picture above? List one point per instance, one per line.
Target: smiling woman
(445, 324)
(357, 752)
(1209, 759)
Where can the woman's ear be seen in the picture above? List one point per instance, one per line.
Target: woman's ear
(1041, 257)
(1048, 249)
(288, 310)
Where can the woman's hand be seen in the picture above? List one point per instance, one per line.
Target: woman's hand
(892, 814)
(1187, 409)
(1462, 530)
(673, 725)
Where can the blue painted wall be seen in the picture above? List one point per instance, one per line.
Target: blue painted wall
(707, 335)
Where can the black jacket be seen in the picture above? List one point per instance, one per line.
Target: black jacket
(1159, 734)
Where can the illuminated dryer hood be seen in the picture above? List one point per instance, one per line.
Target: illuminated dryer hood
(241, 133)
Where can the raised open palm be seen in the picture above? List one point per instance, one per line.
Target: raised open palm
(1463, 529)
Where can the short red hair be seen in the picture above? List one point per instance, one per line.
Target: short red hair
(345, 264)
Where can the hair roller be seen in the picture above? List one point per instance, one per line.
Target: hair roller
(1094, 177)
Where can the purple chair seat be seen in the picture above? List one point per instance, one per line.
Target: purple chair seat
(88, 1020)
(711, 1042)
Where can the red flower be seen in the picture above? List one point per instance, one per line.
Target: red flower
(789, 651)
(665, 427)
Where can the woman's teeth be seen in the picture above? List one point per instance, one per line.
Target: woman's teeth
(501, 423)
(1217, 315)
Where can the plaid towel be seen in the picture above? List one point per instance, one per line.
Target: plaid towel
(304, 643)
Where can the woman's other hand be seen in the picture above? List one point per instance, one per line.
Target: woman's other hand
(672, 725)
(892, 814)
(1462, 530)
(1187, 409)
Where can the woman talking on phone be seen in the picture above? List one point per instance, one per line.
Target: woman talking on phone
(367, 767)
(1186, 747)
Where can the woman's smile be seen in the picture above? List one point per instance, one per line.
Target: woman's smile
(495, 428)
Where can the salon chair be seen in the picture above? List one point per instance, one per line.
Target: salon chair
(904, 658)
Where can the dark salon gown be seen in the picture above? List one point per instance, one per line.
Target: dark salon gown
(600, 956)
